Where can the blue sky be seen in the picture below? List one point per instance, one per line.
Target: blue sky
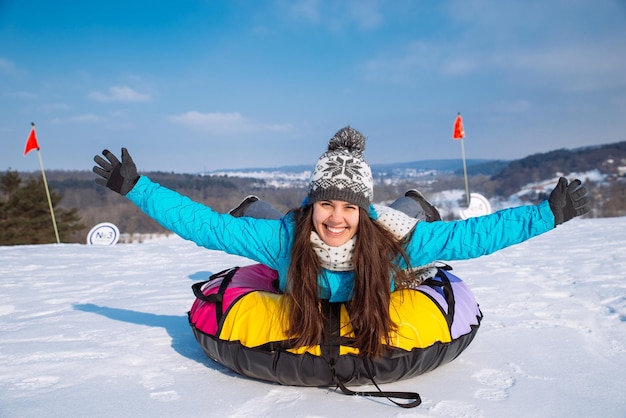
(189, 86)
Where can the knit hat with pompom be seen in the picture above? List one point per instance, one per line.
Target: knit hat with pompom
(342, 173)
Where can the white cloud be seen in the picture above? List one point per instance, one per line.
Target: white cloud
(85, 118)
(225, 123)
(120, 94)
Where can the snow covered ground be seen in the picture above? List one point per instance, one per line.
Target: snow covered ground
(102, 332)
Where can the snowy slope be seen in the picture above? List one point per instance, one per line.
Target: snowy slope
(102, 332)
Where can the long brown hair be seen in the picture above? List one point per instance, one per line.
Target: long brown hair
(375, 255)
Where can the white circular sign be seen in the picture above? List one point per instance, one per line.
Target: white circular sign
(479, 206)
(103, 234)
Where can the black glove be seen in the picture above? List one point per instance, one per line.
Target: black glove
(119, 177)
(568, 201)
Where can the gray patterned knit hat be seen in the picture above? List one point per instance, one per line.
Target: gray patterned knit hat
(342, 173)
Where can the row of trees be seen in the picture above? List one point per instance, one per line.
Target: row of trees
(25, 213)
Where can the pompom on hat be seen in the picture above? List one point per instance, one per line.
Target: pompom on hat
(342, 173)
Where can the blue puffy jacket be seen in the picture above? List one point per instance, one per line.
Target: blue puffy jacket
(269, 241)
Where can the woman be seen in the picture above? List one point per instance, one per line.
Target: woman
(338, 246)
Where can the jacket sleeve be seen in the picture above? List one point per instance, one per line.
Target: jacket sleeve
(471, 238)
(257, 239)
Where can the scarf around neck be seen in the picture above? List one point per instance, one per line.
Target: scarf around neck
(333, 258)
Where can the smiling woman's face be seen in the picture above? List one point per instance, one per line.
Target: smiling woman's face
(335, 221)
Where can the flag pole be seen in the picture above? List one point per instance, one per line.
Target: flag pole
(45, 182)
(467, 193)
(459, 133)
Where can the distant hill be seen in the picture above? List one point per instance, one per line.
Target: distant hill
(450, 165)
(486, 168)
(609, 160)
(446, 165)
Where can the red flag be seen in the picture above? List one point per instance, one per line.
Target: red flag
(459, 132)
(31, 142)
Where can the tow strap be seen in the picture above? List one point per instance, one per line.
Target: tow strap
(330, 351)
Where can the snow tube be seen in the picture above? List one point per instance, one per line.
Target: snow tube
(238, 321)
